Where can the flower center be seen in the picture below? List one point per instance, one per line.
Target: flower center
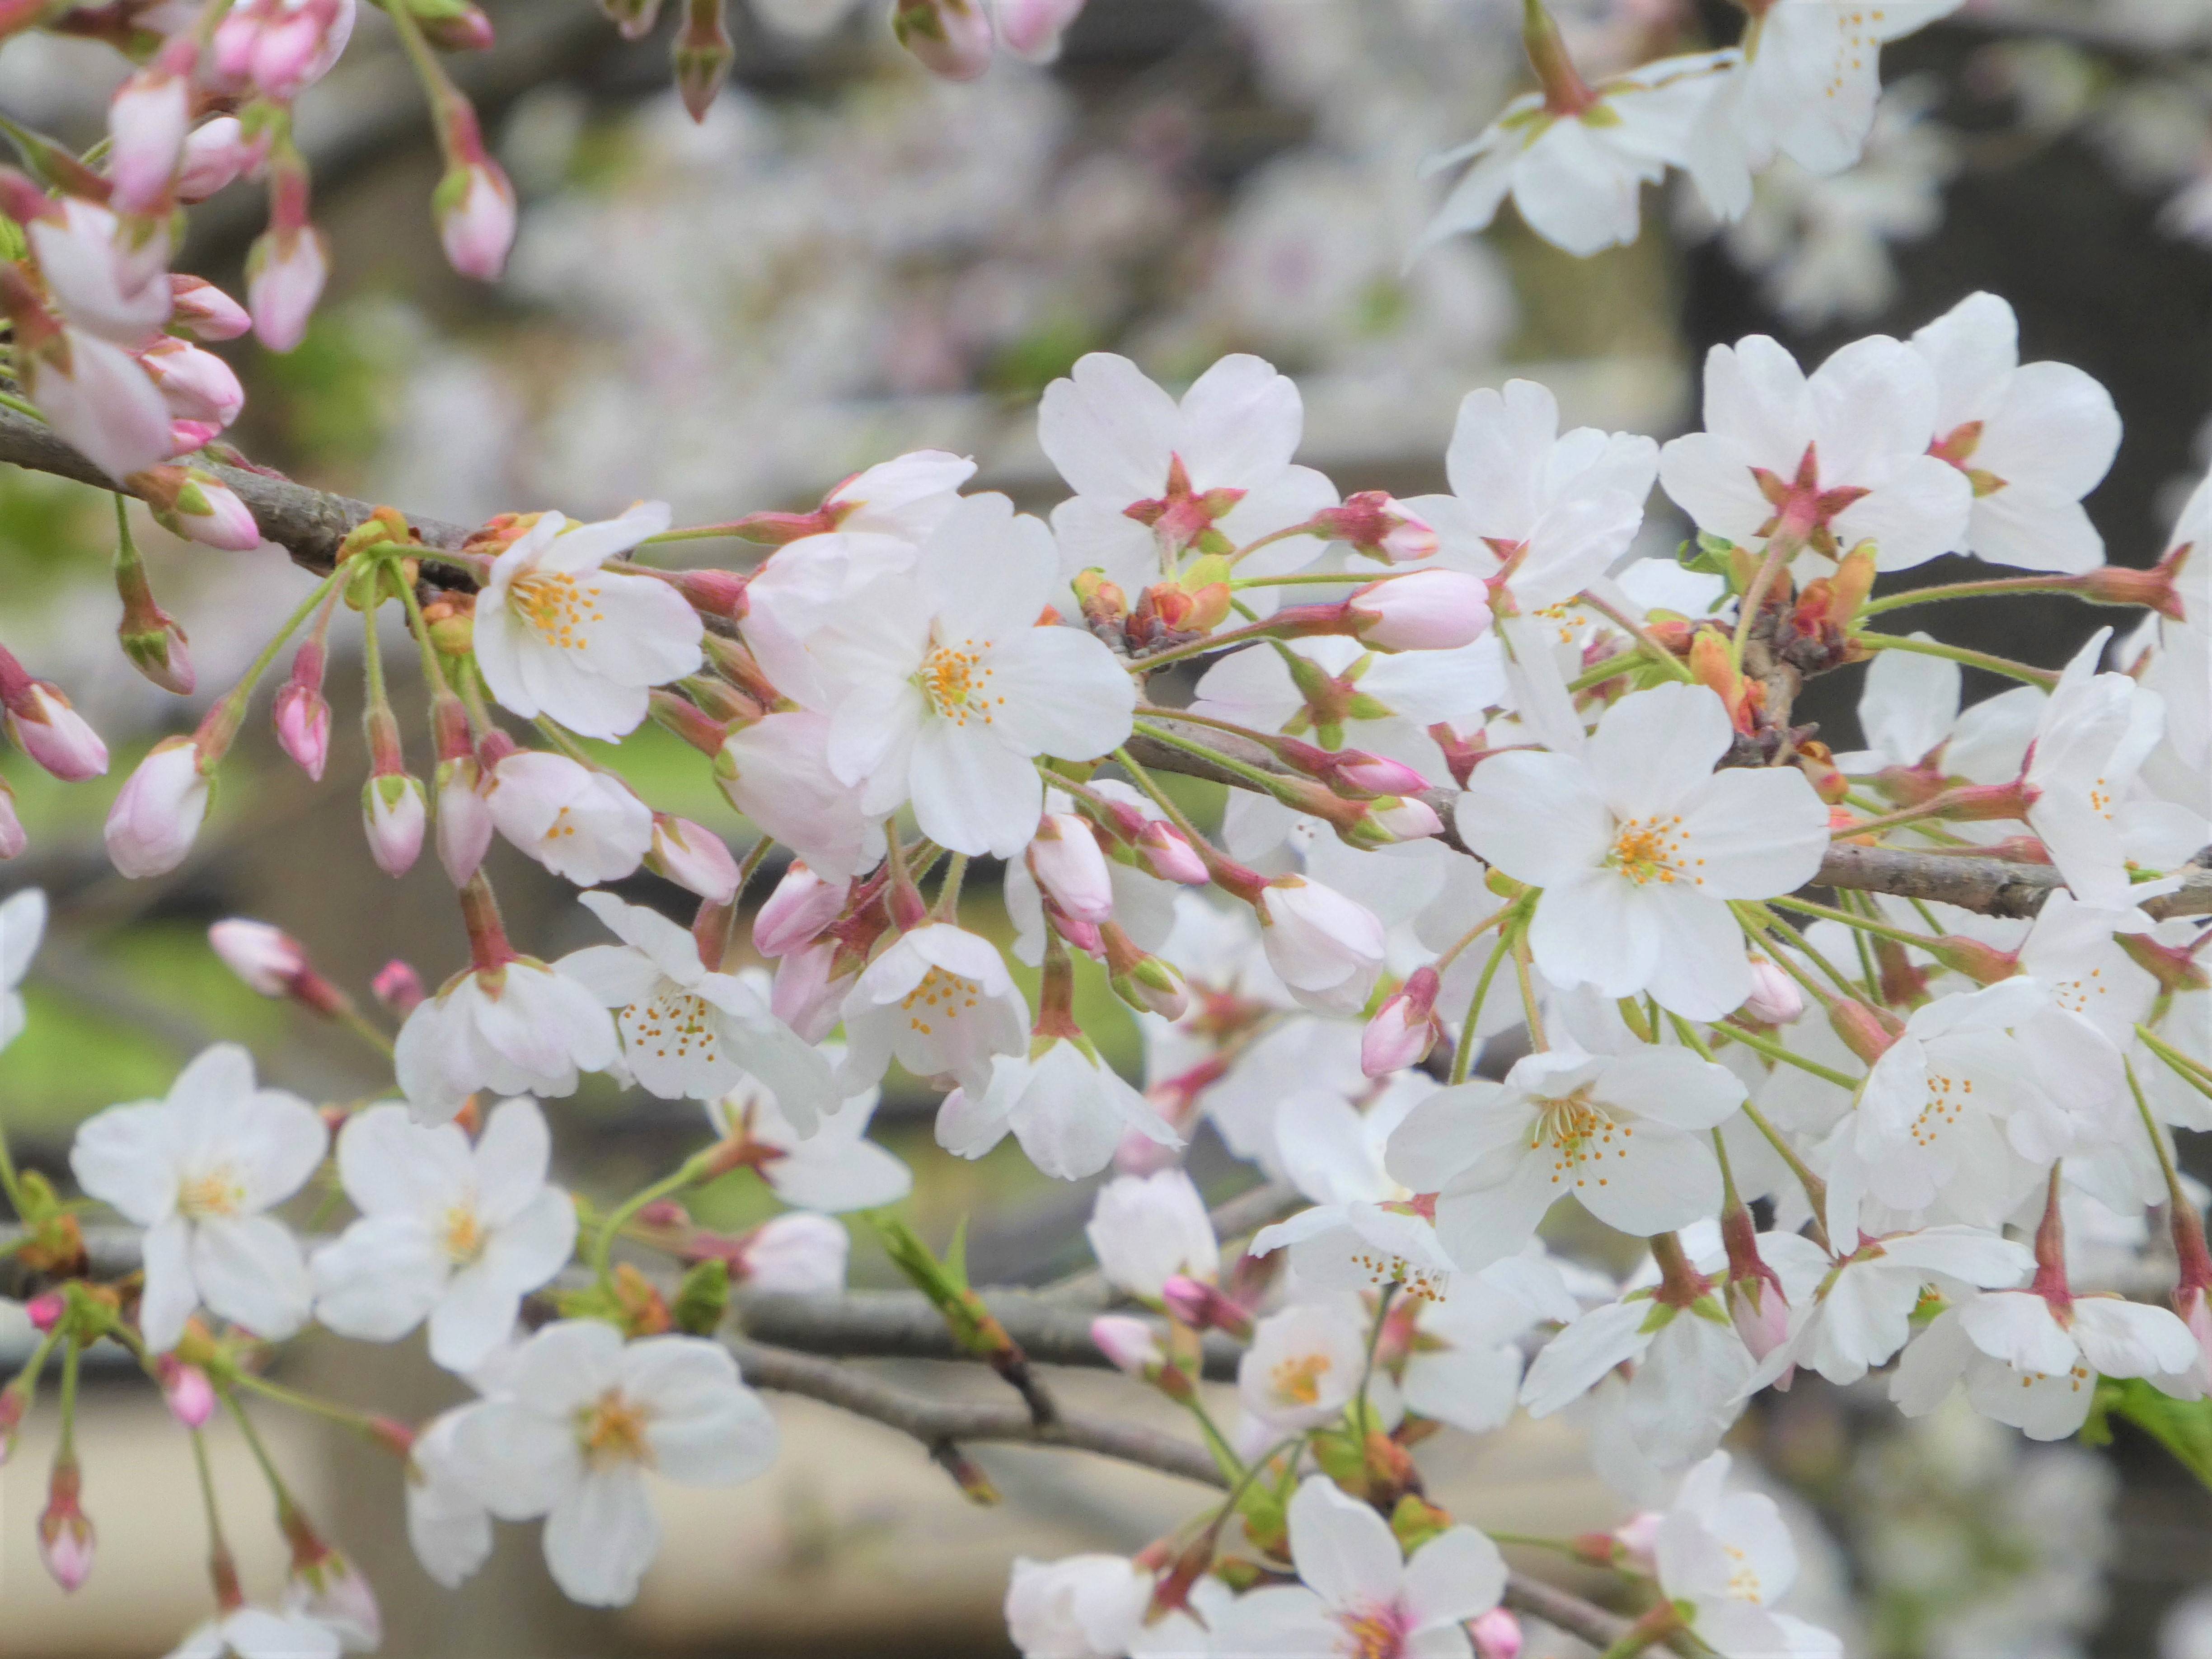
(219, 1191)
(939, 996)
(674, 1025)
(1646, 850)
(558, 606)
(1578, 1132)
(1376, 1633)
(1298, 1379)
(462, 1237)
(611, 1432)
(1947, 1102)
(1743, 1578)
(957, 680)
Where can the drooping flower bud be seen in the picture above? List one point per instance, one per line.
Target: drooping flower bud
(797, 1254)
(159, 810)
(147, 121)
(1426, 611)
(1496, 1635)
(1127, 1343)
(1404, 1029)
(45, 727)
(195, 504)
(186, 1390)
(394, 816)
(1032, 28)
(475, 208)
(1775, 998)
(216, 154)
(694, 857)
(274, 963)
(802, 905)
(1065, 857)
(397, 986)
(287, 263)
(302, 716)
(66, 1534)
(951, 38)
(1205, 1307)
(702, 55)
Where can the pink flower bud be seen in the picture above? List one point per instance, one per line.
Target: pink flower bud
(1760, 1314)
(694, 857)
(1375, 774)
(1638, 1541)
(467, 29)
(1380, 528)
(1496, 1635)
(1866, 1031)
(1205, 1307)
(951, 38)
(326, 1588)
(1163, 851)
(1775, 998)
(1389, 819)
(216, 154)
(1427, 611)
(285, 271)
(147, 122)
(464, 820)
(206, 511)
(159, 810)
(65, 1536)
(475, 207)
(302, 719)
(1151, 985)
(802, 905)
(1404, 1029)
(196, 385)
(44, 1312)
(393, 815)
(205, 311)
(1064, 857)
(267, 958)
(48, 729)
(13, 840)
(808, 993)
(1138, 1154)
(397, 986)
(189, 1395)
(1128, 1344)
(1032, 28)
(799, 1254)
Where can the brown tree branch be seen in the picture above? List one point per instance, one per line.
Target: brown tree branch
(941, 1425)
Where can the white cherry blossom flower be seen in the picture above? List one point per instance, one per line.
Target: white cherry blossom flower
(941, 1002)
(1729, 1557)
(1144, 1229)
(1365, 1230)
(450, 1233)
(1067, 1107)
(1638, 844)
(1577, 175)
(776, 772)
(1862, 1313)
(1304, 1364)
(580, 1416)
(22, 925)
(1540, 515)
(801, 1254)
(1626, 1135)
(518, 1028)
(2094, 734)
(944, 688)
(1360, 1595)
(1080, 1606)
(1822, 463)
(450, 1531)
(1157, 481)
(199, 1170)
(2031, 440)
(834, 1168)
(688, 1033)
(1327, 948)
(584, 825)
(1806, 87)
(261, 1633)
(558, 634)
(1464, 1364)
(2032, 1362)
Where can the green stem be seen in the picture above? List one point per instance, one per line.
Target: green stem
(433, 677)
(948, 894)
(1760, 1043)
(2018, 670)
(1970, 591)
(1666, 659)
(1151, 785)
(1816, 1190)
(1528, 1009)
(1612, 668)
(1265, 781)
(1463, 1056)
(1864, 924)
(2198, 1077)
(329, 1410)
(693, 1170)
(2157, 1136)
(1367, 1369)
(9, 400)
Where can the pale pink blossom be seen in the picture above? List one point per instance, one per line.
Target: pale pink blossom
(285, 271)
(393, 815)
(951, 38)
(1032, 28)
(45, 727)
(216, 152)
(475, 210)
(584, 825)
(693, 857)
(802, 905)
(147, 121)
(159, 810)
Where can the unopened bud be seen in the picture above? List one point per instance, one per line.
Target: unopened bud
(45, 1311)
(393, 815)
(1379, 527)
(1867, 1032)
(273, 964)
(475, 208)
(1496, 1635)
(65, 1535)
(1128, 1344)
(718, 593)
(802, 905)
(1153, 987)
(1389, 819)
(51, 732)
(702, 55)
(1162, 850)
(952, 38)
(186, 1390)
(1404, 1029)
(1775, 999)
(1426, 611)
(1064, 857)
(1203, 1307)
(1105, 606)
(397, 986)
(694, 857)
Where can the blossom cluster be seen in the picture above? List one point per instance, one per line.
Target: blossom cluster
(1503, 918)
